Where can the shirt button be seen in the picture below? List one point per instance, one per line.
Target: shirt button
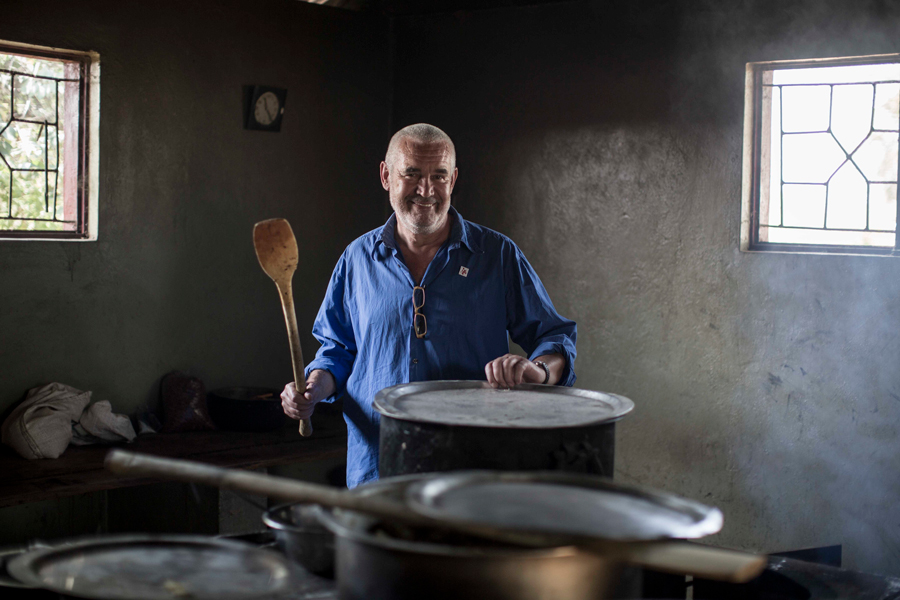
(415, 361)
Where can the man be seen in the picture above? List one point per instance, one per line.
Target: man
(427, 296)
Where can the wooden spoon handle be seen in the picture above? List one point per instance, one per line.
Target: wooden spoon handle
(707, 562)
(122, 462)
(290, 320)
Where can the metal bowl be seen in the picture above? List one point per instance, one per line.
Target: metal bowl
(246, 409)
(381, 561)
(302, 537)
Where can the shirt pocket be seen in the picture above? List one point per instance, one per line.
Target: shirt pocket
(381, 312)
(467, 310)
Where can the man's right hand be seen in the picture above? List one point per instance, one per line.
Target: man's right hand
(319, 385)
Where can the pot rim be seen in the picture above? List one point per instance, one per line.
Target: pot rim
(331, 521)
(24, 567)
(342, 531)
(272, 521)
(423, 497)
(386, 399)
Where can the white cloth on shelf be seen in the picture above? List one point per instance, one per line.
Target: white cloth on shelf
(42, 425)
(102, 425)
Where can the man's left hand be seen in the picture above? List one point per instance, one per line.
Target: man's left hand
(511, 369)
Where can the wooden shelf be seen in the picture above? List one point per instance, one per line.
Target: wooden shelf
(80, 469)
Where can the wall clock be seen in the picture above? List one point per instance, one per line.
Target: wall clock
(265, 108)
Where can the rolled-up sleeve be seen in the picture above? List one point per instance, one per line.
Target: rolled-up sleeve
(533, 322)
(333, 329)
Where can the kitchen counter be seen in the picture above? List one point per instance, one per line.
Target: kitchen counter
(80, 469)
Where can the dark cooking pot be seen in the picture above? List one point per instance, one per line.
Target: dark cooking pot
(302, 537)
(379, 561)
(452, 425)
(246, 409)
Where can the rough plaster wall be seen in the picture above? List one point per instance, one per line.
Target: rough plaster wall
(606, 139)
(173, 281)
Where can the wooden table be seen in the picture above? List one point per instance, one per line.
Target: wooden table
(80, 468)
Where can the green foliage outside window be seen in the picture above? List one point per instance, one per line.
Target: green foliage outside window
(32, 111)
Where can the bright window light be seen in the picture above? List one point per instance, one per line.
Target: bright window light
(821, 156)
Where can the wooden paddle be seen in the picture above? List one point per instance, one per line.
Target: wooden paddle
(276, 249)
(675, 556)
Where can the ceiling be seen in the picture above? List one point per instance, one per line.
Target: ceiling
(425, 7)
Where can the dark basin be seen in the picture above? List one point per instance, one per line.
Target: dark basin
(246, 408)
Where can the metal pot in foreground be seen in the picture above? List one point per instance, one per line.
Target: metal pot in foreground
(376, 560)
(455, 425)
(302, 537)
(157, 567)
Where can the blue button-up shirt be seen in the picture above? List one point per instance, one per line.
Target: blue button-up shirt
(478, 287)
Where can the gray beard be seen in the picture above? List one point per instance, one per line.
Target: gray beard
(405, 218)
(419, 229)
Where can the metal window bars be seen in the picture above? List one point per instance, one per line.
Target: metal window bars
(58, 163)
(761, 155)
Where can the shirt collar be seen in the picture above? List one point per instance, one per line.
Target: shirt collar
(386, 236)
(459, 233)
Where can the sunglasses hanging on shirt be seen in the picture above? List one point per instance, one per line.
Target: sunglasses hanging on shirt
(420, 325)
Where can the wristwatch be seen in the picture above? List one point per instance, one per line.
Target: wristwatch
(546, 369)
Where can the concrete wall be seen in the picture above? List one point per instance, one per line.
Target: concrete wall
(173, 282)
(606, 139)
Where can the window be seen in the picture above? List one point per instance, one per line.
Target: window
(821, 156)
(49, 113)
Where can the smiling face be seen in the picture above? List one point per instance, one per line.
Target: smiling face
(419, 181)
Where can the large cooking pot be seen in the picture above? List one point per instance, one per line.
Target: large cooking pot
(300, 535)
(375, 561)
(452, 425)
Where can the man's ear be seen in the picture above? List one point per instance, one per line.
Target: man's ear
(385, 176)
(452, 178)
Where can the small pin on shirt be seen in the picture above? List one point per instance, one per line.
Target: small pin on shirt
(464, 271)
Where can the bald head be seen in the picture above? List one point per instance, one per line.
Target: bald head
(421, 133)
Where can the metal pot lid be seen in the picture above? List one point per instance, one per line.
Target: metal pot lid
(7, 554)
(477, 404)
(156, 567)
(562, 506)
(361, 528)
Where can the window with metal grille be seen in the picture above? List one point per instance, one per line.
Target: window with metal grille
(49, 108)
(821, 156)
